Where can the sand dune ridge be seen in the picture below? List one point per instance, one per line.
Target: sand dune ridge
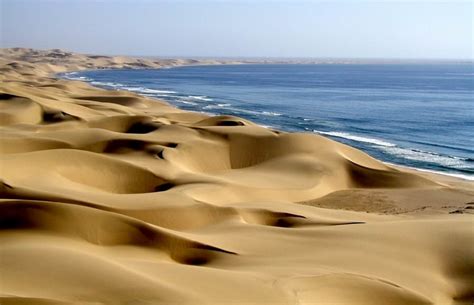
(109, 197)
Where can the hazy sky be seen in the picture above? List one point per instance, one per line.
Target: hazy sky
(387, 29)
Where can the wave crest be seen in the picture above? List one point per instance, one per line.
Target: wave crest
(349, 136)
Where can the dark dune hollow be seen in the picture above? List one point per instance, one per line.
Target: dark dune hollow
(109, 197)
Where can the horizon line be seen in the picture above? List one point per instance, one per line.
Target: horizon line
(260, 57)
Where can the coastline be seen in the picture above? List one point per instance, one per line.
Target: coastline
(118, 86)
(437, 175)
(123, 199)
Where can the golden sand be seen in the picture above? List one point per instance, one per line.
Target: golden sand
(109, 197)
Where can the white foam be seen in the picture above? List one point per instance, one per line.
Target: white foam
(211, 107)
(462, 176)
(465, 177)
(245, 111)
(108, 84)
(134, 89)
(201, 98)
(187, 102)
(161, 95)
(155, 91)
(148, 90)
(405, 153)
(418, 155)
(218, 106)
(349, 136)
(271, 113)
(257, 113)
(80, 78)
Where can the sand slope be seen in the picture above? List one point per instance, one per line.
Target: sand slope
(109, 197)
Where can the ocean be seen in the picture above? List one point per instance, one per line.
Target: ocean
(415, 115)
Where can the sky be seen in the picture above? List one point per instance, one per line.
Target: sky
(213, 28)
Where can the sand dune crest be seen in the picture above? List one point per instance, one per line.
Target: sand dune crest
(109, 197)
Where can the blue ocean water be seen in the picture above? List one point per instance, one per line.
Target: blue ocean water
(414, 115)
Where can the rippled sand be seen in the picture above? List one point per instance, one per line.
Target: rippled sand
(109, 197)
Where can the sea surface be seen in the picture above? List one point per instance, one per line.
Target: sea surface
(415, 115)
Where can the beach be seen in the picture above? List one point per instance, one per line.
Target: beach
(111, 197)
(409, 114)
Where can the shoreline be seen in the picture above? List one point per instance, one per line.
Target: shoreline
(56, 75)
(462, 177)
(127, 199)
(63, 69)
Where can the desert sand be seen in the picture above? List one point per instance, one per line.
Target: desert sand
(109, 197)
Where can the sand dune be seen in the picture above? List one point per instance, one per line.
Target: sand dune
(109, 197)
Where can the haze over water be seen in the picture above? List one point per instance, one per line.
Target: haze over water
(415, 115)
